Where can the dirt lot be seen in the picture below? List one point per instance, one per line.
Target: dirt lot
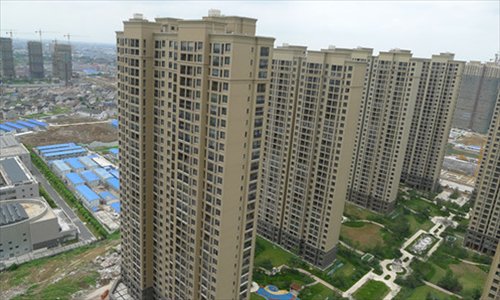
(472, 139)
(85, 134)
(365, 237)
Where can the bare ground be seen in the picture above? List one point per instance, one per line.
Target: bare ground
(84, 134)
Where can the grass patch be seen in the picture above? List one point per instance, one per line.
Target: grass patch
(364, 237)
(471, 277)
(268, 255)
(318, 292)
(372, 290)
(421, 293)
(255, 296)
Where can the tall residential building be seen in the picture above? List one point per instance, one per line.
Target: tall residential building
(62, 66)
(192, 97)
(478, 93)
(313, 110)
(35, 59)
(483, 233)
(437, 85)
(492, 287)
(383, 129)
(6, 59)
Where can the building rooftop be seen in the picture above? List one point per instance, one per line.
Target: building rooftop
(11, 147)
(11, 213)
(75, 179)
(13, 171)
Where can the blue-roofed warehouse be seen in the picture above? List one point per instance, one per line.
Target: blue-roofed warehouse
(102, 173)
(115, 206)
(89, 197)
(90, 177)
(115, 173)
(27, 124)
(60, 167)
(17, 127)
(54, 146)
(74, 179)
(114, 123)
(6, 128)
(36, 122)
(88, 162)
(113, 183)
(46, 152)
(75, 164)
(107, 196)
(65, 154)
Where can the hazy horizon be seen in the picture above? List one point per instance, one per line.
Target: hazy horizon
(470, 29)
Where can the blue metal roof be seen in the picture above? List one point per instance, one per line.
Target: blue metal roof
(26, 124)
(71, 152)
(116, 207)
(114, 151)
(101, 172)
(54, 146)
(75, 179)
(87, 161)
(61, 165)
(36, 122)
(106, 195)
(6, 128)
(115, 173)
(88, 194)
(114, 123)
(74, 163)
(68, 148)
(113, 183)
(89, 176)
(14, 125)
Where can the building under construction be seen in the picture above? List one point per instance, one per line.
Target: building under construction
(35, 59)
(478, 92)
(62, 62)
(6, 59)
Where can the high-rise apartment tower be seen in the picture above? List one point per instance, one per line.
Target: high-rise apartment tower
(313, 110)
(62, 66)
(6, 59)
(438, 81)
(483, 233)
(35, 59)
(492, 287)
(478, 94)
(192, 95)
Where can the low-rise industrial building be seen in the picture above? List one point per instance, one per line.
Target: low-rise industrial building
(16, 181)
(30, 224)
(11, 148)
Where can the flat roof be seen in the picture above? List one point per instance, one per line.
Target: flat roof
(114, 183)
(69, 152)
(87, 193)
(36, 122)
(89, 176)
(75, 179)
(74, 163)
(7, 141)
(11, 213)
(13, 170)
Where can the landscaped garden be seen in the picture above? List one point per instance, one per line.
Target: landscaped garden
(372, 290)
(318, 292)
(283, 280)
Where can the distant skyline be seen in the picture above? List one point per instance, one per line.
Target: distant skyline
(470, 29)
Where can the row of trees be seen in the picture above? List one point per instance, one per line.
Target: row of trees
(67, 195)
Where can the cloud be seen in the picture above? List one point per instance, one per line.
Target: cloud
(469, 29)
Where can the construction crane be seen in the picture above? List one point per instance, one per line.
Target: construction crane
(11, 32)
(68, 36)
(39, 32)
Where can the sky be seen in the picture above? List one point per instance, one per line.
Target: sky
(470, 29)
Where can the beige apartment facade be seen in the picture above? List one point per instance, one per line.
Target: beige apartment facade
(438, 83)
(383, 129)
(313, 110)
(483, 233)
(492, 287)
(192, 98)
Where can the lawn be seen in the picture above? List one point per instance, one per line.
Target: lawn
(372, 290)
(255, 296)
(282, 280)
(416, 224)
(422, 292)
(318, 292)
(364, 237)
(471, 277)
(357, 213)
(266, 252)
(420, 205)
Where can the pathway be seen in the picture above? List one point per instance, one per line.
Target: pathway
(437, 287)
(82, 123)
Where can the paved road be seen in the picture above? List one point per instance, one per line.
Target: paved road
(85, 234)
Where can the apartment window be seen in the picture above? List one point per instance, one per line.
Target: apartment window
(264, 51)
